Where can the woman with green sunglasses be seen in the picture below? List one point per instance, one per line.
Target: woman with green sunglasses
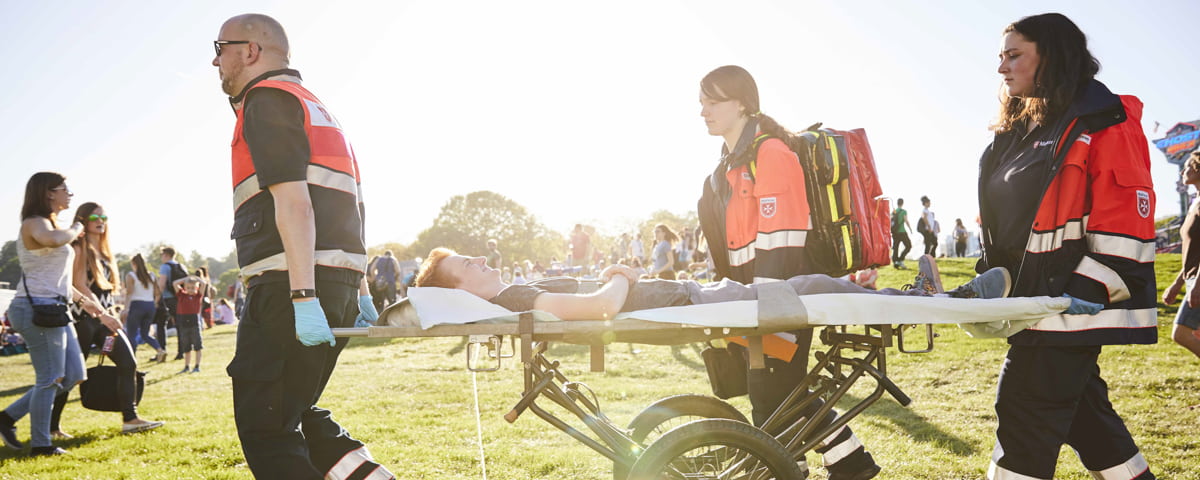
(96, 276)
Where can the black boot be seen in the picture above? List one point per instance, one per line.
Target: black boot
(8, 431)
(856, 466)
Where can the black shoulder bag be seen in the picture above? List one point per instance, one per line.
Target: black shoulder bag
(47, 316)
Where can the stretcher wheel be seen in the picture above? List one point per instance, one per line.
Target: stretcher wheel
(671, 412)
(677, 410)
(716, 449)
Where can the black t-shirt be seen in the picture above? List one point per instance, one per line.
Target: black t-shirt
(273, 125)
(1014, 189)
(643, 295)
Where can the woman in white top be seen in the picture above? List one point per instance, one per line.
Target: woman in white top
(141, 295)
(46, 260)
(223, 313)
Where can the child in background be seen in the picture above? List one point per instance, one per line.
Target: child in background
(189, 292)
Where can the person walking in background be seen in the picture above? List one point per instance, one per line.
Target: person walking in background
(664, 253)
(1076, 221)
(238, 295)
(1187, 320)
(372, 286)
(581, 245)
(95, 275)
(188, 322)
(387, 273)
(637, 249)
(47, 262)
(928, 227)
(168, 272)
(495, 259)
(960, 238)
(297, 236)
(141, 294)
(754, 213)
(209, 293)
(900, 228)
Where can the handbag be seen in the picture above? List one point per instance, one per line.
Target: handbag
(726, 371)
(99, 391)
(47, 316)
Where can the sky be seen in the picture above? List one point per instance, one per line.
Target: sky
(583, 112)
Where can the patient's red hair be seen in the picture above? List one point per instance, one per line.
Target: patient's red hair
(430, 276)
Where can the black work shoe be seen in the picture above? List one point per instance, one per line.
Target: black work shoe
(8, 430)
(855, 467)
(46, 451)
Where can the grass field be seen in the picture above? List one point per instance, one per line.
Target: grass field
(413, 402)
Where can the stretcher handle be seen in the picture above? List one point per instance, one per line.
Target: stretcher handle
(528, 399)
(902, 398)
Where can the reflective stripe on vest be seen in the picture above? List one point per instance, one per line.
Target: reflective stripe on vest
(1109, 318)
(1053, 240)
(317, 175)
(1117, 246)
(741, 256)
(785, 238)
(1117, 290)
(327, 258)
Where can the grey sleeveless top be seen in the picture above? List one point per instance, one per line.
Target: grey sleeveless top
(47, 270)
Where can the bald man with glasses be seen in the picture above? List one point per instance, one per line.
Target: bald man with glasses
(298, 225)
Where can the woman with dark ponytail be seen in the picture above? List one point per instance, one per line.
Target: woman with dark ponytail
(755, 215)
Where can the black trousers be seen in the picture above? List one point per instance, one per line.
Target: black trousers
(930, 243)
(277, 382)
(160, 321)
(91, 332)
(1049, 396)
(769, 387)
(897, 240)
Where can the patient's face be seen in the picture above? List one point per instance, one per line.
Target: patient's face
(471, 273)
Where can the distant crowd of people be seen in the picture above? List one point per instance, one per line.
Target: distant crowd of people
(671, 256)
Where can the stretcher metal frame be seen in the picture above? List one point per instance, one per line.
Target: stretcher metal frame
(847, 358)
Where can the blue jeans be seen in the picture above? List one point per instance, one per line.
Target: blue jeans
(57, 366)
(137, 326)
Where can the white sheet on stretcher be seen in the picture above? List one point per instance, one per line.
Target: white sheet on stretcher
(442, 306)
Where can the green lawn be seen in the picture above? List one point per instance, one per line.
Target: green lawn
(413, 402)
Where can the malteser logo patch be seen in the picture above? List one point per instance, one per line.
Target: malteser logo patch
(1143, 203)
(766, 207)
(319, 116)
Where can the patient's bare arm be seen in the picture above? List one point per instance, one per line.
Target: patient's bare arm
(599, 305)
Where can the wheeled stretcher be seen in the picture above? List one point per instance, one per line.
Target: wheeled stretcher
(719, 443)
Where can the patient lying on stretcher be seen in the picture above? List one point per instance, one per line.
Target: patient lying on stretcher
(623, 291)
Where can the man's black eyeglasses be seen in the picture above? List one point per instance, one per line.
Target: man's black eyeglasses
(218, 43)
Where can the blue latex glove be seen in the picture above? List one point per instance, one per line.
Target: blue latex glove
(367, 316)
(1082, 307)
(311, 326)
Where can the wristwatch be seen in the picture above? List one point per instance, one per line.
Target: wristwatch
(304, 293)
